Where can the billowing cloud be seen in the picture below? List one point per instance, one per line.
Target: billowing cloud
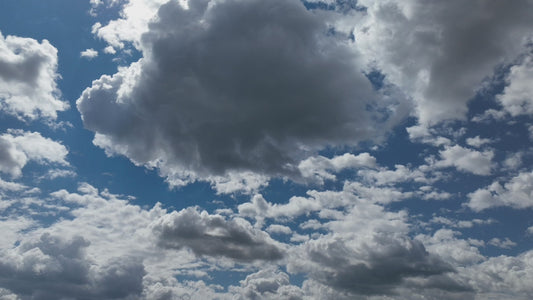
(54, 268)
(467, 160)
(439, 52)
(517, 96)
(225, 87)
(376, 267)
(17, 147)
(516, 193)
(28, 74)
(267, 284)
(213, 235)
(320, 168)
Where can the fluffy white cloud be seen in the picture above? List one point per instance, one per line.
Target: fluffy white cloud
(18, 147)
(503, 276)
(320, 168)
(516, 193)
(267, 284)
(439, 52)
(466, 160)
(28, 74)
(245, 94)
(89, 53)
(133, 22)
(517, 96)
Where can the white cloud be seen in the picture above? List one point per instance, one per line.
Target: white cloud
(516, 193)
(135, 16)
(436, 53)
(267, 284)
(319, 168)
(478, 141)
(505, 243)
(453, 250)
(517, 97)
(28, 74)
(110, 50)
(466, 160)
(276, 228)
(18, 147)
(503, 276)
(89, 53)
(513, 161)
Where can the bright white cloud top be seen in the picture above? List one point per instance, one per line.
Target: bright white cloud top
(28, 74)
(283, 149)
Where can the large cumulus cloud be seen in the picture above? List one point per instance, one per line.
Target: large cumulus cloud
(231, 86)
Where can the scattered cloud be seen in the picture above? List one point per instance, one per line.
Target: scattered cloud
(18, 147)
(89, 53)
(28, 75)
(516, 98)
(516, 193)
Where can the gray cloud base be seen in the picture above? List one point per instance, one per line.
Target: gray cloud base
(212, 235)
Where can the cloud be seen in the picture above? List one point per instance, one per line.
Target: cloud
(28, 74)
(319, 168)
(18, 147)
(133, 22)
(55, 268)
(89, 53)
(504, 275)
(477, 141)
(466, 160)
(438, 52)
(218, 91)
(376, 267)
(516, 193)
(267, 284)
(213, 235)
(517, 97)
(505, 243)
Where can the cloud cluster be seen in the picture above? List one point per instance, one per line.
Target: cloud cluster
(439, 53)
(18, 147)
(225, 87)
(55, 268)
(28, 74)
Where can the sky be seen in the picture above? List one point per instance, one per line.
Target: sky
(251, 149)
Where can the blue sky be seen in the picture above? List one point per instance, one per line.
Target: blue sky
(247, 149)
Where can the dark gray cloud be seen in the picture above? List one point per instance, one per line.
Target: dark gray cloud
(232, 86)
(54, 268)
(213, 235)
(380, 267)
